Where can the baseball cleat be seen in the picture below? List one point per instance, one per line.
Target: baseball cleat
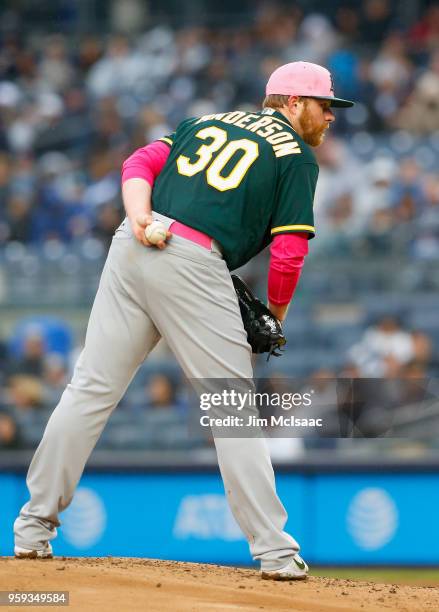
(25, 553)
(296, 569)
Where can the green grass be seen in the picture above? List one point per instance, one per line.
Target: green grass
(390, 575)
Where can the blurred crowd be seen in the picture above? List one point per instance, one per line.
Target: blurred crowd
(157, 409)
(33, 378)
(384, 206)
(388, 349)
(73, 107)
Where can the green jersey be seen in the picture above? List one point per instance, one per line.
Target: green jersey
(239, 177)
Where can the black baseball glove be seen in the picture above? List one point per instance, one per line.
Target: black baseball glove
(264, 331)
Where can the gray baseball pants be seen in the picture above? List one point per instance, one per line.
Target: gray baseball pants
(185, 295)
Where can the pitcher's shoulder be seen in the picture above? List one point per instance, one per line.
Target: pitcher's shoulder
(304, 155)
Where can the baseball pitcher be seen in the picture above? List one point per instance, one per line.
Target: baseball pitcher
(226, 185)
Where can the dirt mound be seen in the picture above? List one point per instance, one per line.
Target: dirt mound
(158, 586)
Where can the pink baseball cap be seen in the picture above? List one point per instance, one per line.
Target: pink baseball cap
(304, 79)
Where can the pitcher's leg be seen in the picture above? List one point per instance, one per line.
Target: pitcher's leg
(119, 336)
(249, 483)
(204, 329)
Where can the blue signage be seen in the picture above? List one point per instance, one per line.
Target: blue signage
(376, 519)
(355, 519)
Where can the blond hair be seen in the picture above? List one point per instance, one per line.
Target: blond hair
(275, 101)
(280, 100)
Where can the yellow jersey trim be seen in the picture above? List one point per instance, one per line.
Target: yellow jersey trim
(167, 140)
(298, 228)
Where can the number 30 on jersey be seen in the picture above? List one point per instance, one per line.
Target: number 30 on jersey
(214, 157)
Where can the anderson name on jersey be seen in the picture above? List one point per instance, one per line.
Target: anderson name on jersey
(270, 128)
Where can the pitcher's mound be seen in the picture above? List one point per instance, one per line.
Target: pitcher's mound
(159, 586)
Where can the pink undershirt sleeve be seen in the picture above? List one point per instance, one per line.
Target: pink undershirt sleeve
(146, 163)
(287, 257)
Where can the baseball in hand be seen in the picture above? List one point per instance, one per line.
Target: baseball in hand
(155, 232)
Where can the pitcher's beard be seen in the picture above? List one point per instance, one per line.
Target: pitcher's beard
(311, 134)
